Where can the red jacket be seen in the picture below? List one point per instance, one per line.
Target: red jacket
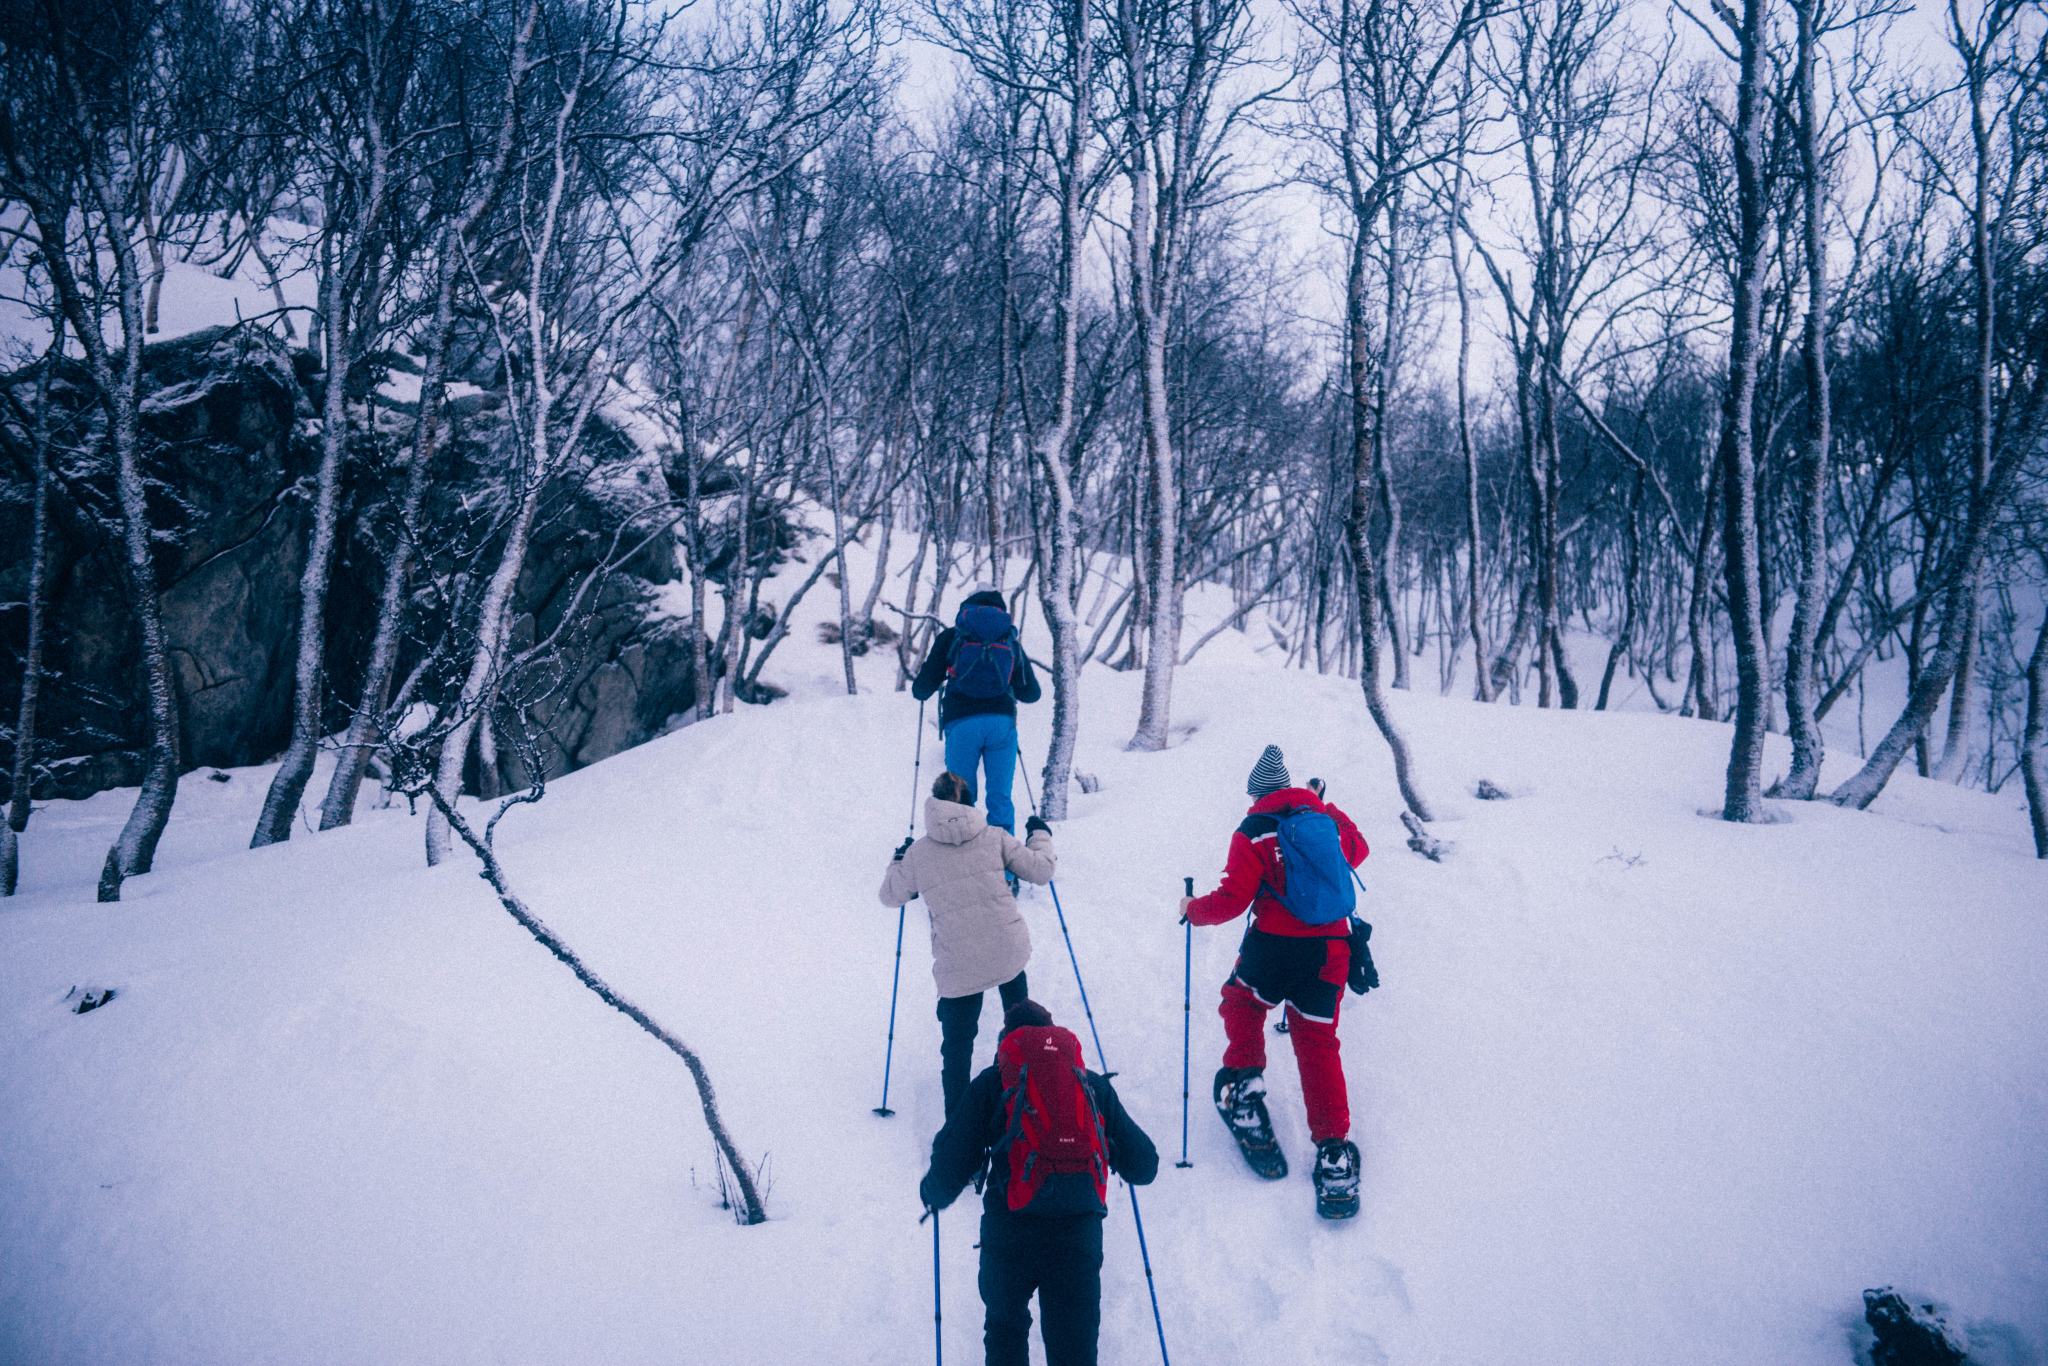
(1253, 872)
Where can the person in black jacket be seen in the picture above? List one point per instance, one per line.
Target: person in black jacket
(1058, 1258)
(981, 732)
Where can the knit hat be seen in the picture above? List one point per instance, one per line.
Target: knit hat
(1270, 775)
(1026, 1014)
(984, 595)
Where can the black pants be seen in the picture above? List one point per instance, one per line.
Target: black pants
(959, 1020)
(1061, 1260)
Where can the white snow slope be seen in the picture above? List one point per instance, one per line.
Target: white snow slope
(1640, 1086)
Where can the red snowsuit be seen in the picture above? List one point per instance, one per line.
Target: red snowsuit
(1283, 959)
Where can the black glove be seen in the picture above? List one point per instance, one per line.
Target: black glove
(1034, 826)
(1363, 976)
(903, 849)
(929, 1191)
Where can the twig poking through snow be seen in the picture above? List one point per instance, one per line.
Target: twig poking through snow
(494, 874)
(1421, 841)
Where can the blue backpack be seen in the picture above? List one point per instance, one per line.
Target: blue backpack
(1318, 875)
(984, 653)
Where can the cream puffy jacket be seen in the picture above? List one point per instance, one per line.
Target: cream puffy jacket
(979, 940)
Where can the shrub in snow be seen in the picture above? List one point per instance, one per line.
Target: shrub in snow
(1907, 1336)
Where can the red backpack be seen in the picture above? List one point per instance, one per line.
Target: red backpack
(1053, 1143)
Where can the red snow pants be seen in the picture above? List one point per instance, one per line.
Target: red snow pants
(1307, 976)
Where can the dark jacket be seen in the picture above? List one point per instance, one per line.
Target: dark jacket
(932, 674)
(963, 1146)
(1253, 873)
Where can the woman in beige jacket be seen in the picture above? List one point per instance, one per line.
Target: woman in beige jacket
(978, 938)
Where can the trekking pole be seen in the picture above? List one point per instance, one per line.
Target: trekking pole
(1187, 1019)
(896, 977)
(1144, 1253)
(916, 769)
(938, 1305)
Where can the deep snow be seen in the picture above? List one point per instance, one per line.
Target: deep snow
(1639, 1086)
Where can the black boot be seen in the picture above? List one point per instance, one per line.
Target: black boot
(1240, 1094)
(1336, 1177)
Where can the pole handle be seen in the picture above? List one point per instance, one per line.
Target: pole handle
(1189, 884)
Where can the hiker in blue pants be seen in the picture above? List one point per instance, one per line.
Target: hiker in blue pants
(983, 668)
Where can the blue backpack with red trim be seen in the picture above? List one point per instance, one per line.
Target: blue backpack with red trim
(984, 653)
(1053, 1147)
(1314, 869)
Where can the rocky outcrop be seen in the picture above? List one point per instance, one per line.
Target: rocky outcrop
(224, 465)
(232, 443)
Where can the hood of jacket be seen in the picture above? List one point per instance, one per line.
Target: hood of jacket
(1286, 799)
(950, 822)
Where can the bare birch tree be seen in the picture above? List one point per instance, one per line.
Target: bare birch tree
(77, 173)
(1380, 112)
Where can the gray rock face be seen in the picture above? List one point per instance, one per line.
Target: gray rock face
(223, 464)
(232, 447)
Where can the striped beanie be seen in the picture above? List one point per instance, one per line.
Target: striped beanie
(1270, 775)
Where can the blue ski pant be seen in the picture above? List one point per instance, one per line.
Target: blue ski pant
(987, 741)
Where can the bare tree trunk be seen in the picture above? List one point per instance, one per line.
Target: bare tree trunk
(1482, 683)
(1955, 749)
(365, 727)
(23, 778)
(1744, 793)
(741, 583)
(1630, 575)
(1057, 589)
(1699, 689)
(1390, 552)
(494, 873)
(1549, 647)
(1152, 256)
(1364, 441)
(881, 575)
(903, 642)
(119, 390)
(1006, 330)
(1507, 665)
(485, 657)
(839, 551)
(281, 803)
(2031, 742)
(1801, 647)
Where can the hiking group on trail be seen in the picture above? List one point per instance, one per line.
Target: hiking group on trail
(1037, 1132)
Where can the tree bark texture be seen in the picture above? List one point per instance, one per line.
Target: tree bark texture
(1057, 589)
(23, 777)
(1743, 797)
(1152, 269)
(1802, 647)
(288, 784)
(2031, 740)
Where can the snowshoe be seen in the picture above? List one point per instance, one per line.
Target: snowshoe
(1336, 1178)
(1241, 1100)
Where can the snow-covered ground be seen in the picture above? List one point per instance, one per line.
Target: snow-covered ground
(1639, 1086)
